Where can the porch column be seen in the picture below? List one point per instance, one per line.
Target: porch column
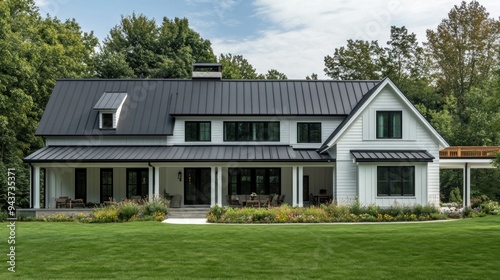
(157, 182)
(466, 192)
(36, 187)
(294, 186)
(212, 186)
(150, 183)
(301, 186)
(219, 186)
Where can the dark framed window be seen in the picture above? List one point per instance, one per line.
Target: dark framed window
(308, 132)
(137, 182)
(395, 180)
(81, 184)
(197, 131)
(106, 120)
(251, 131)
(389, 124)
(258, 180)
(106, 184)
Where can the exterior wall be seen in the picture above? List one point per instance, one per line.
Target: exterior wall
(169, 181)
(367, 178)
(288, 130)
(104, 140)
(61, 182)
(361, 135)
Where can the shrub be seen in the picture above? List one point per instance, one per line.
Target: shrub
(107, 214)
(159, 205)
(127, 210)
(456, 196)
(3, 216)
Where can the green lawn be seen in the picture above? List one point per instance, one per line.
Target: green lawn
(465, 249)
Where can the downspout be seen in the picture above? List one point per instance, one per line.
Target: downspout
(154, 170)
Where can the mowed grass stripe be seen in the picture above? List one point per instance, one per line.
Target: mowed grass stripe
(465, 249)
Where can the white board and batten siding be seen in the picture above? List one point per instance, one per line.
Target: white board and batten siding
(288, 130)
(361, 135)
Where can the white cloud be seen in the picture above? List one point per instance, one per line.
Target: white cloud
(300, 33)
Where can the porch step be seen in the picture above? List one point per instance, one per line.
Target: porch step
(188, 212)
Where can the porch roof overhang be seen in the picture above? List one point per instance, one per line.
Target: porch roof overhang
(391, 156)
(248, 153)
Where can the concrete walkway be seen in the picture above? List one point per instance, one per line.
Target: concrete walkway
(186, 221)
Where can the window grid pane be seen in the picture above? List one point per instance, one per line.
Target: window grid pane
(396, 181)
(251, 131)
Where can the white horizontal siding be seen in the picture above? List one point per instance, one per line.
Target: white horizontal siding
(105, 140)
(361, 136)
(288, 130)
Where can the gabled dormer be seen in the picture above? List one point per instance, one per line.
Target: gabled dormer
(109, 107)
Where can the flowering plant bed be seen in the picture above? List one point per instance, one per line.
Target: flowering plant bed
(325, 214)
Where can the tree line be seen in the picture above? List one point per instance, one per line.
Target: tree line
(453, 77)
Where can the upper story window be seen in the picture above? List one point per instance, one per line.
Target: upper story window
(389, 124)
(395, 180)
(197, 131)
(107, 121)
(251, 131)
(308, 132)
(109, 106)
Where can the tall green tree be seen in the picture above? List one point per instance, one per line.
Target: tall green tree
(34, 52)
(359, 60)
(236, 67)
(138, 47)
(274, 74)
(465, 51)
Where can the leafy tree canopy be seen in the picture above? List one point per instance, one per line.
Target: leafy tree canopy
(138, 47)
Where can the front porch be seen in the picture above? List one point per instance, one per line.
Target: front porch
(197, 184)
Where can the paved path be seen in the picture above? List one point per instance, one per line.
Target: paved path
(186, 221)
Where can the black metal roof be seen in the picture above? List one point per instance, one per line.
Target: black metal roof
(144, 112)
(110, 101)
(176, 154)
(350, 116)
(268, 97)
(151, 104)
(392, 156)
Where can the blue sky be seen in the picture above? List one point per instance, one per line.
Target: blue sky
(291, 36)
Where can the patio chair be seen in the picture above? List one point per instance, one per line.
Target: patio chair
(281, 199)
(77, 203)
(233, 200)
(176, 201)
(274, 200)
(312, 200)
(62, 202)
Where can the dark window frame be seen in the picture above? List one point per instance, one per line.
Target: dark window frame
(401, 171)
(139, 188)
(112, 119)
(253, 179)
(198, 131)
(238, 133)
(77, 196)
(390, 127)
(308, 124)
(105, 197)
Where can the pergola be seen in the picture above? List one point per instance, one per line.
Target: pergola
(467, 158)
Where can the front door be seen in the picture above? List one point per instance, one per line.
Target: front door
(137, 182)
(197, 186)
